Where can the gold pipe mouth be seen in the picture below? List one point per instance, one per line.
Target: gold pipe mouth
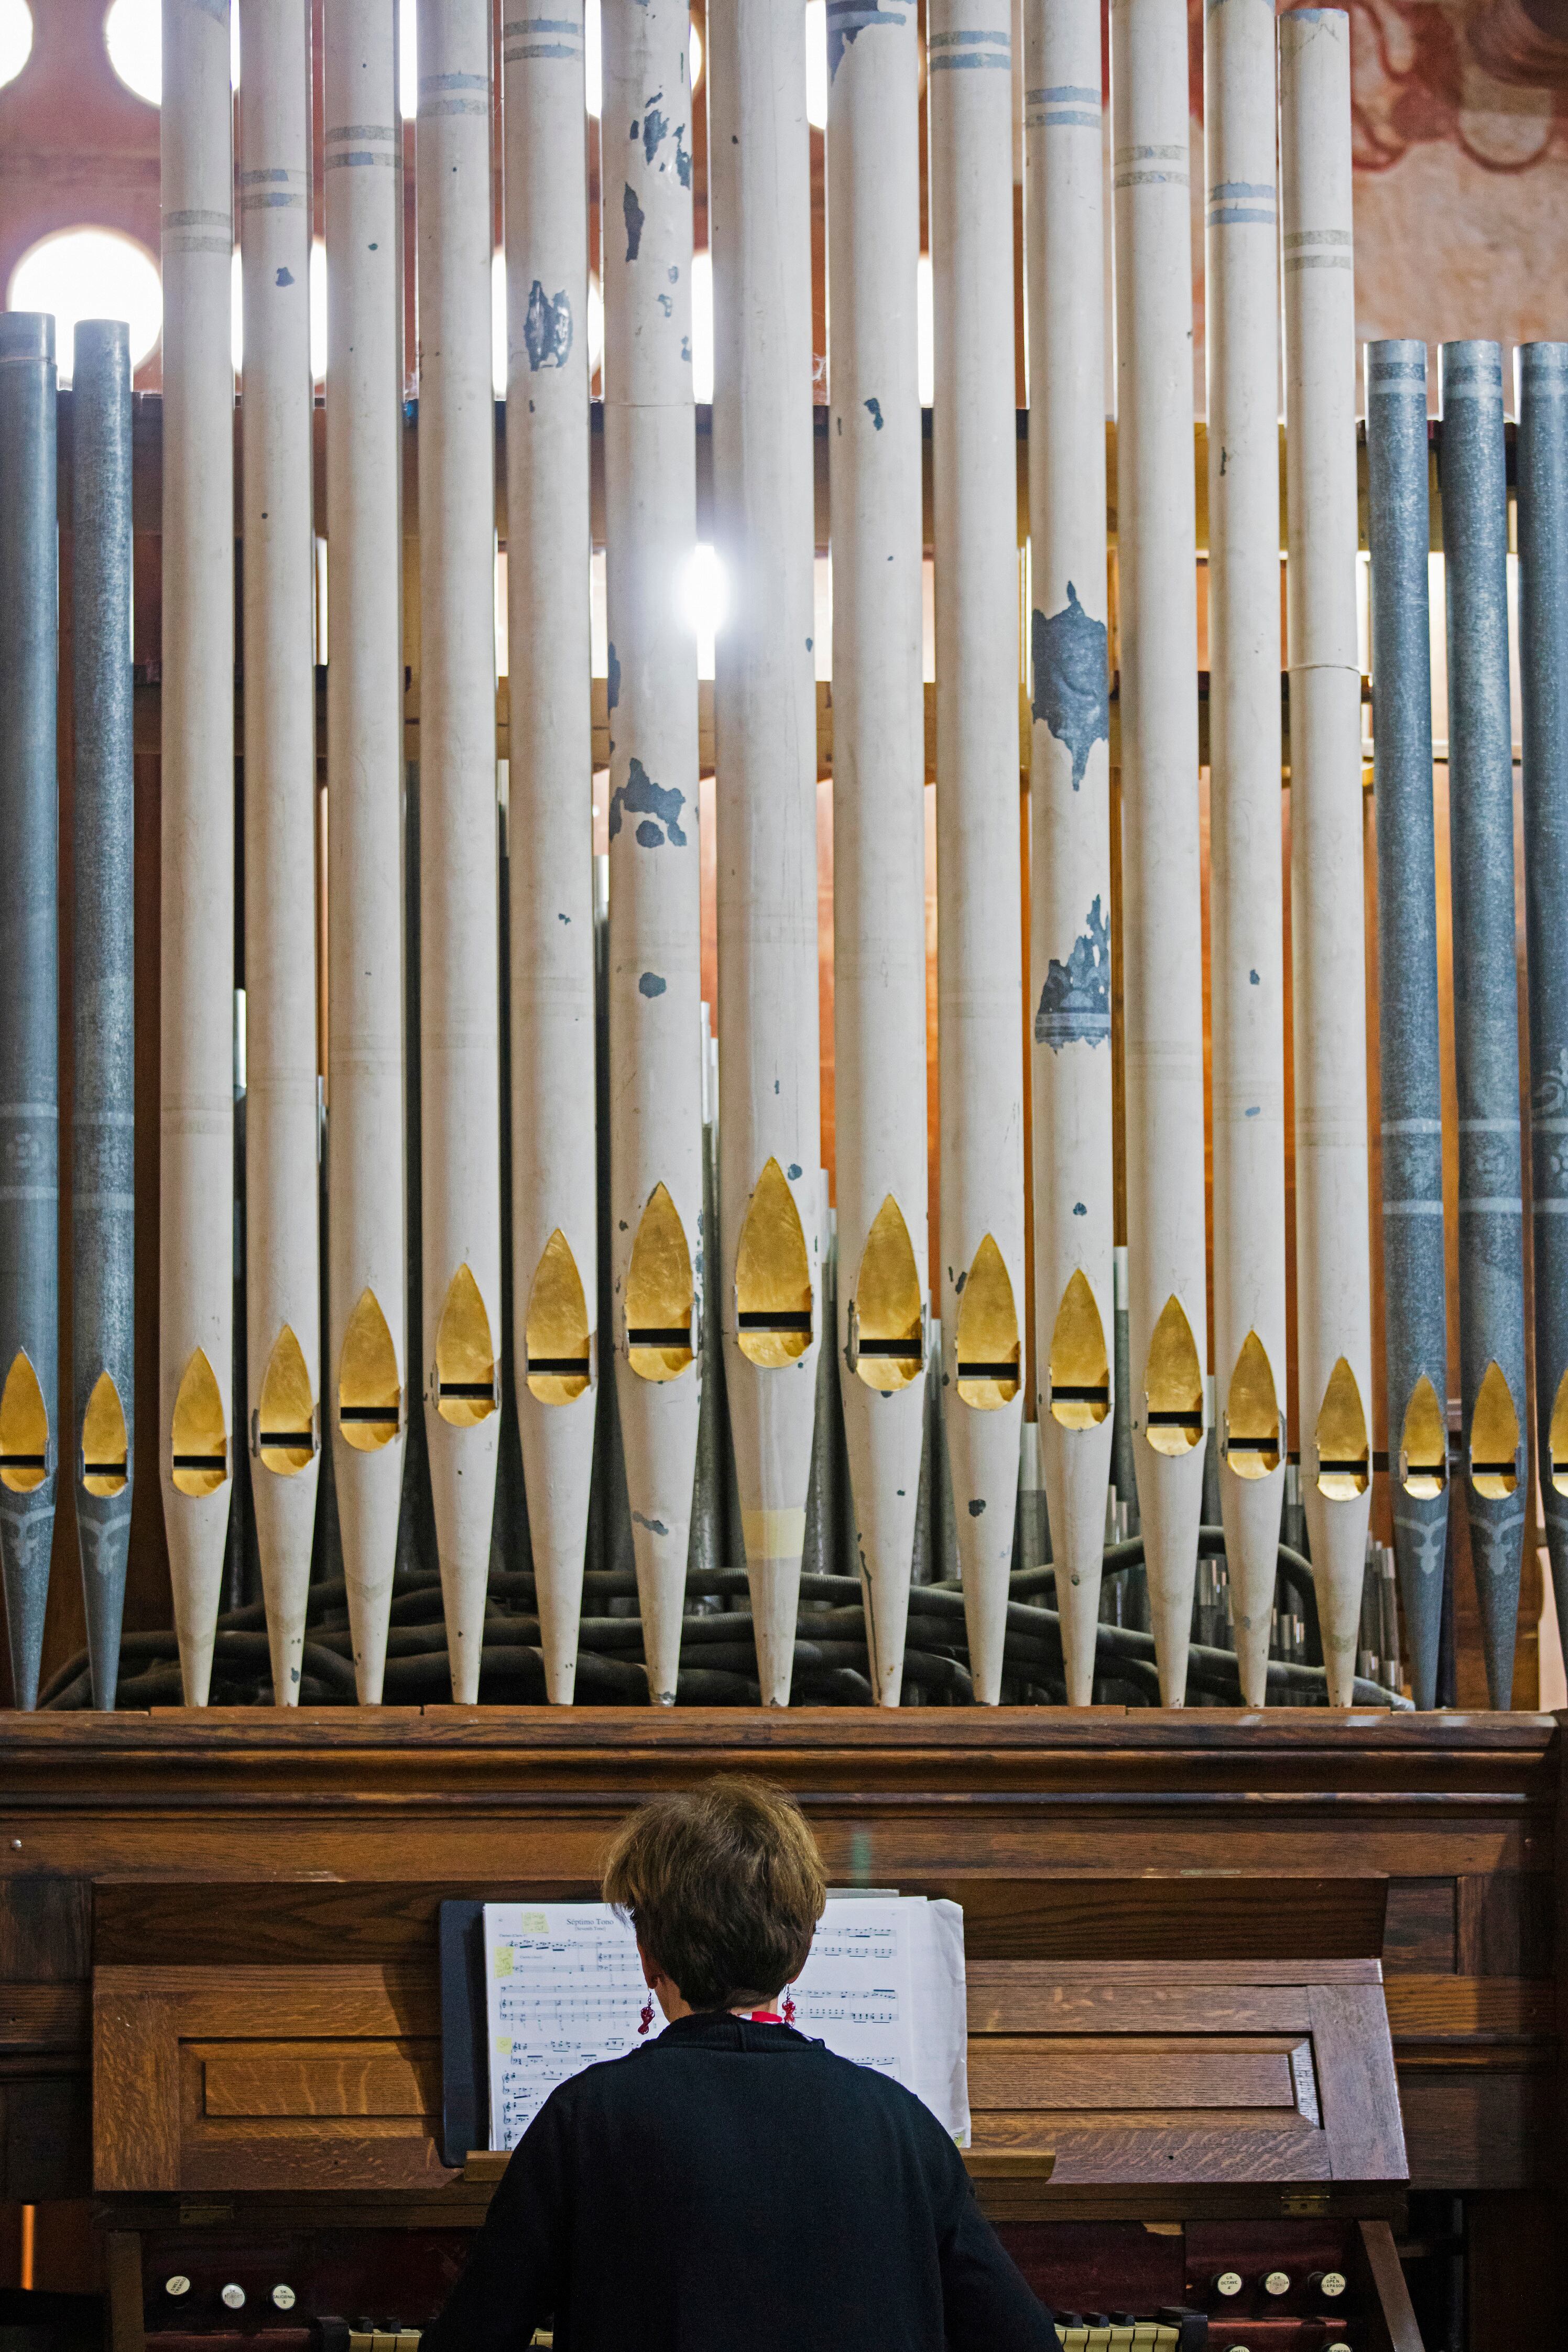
(1424, 1444)
(1173, 1385)
(24, 1452)
(1343, 1448)
(1254, 1440)
(556, 1338)
(198, 1442)
(661, 1296)
(985, 1344)
(1079, 1369)
(887, 1312)
(1494, 1438)
(773, 1276)
(465, 1384)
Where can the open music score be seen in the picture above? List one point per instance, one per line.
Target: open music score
(883, 1986)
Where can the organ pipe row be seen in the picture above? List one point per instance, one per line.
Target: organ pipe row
(415, 1056)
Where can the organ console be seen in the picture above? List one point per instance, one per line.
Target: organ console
(1252, 2001)
(1262, 2000)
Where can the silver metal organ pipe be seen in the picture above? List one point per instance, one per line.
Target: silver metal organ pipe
(979, 882)
(879, 801)
(1542, 457)
(196, 1050)
(1160, 872)
(1414, 1318)
(1333, 1275)
(658, 1244)
(366, 1385)
(770, 1141)
(1069, 986)
(554, 1204)
(458, 931)
(1247, 960)
(1473, 474)
(282, 1270)
(103, 1180)
(29, 1001)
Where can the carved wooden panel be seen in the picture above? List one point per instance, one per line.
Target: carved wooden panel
(1188, 2071)
(266, 2078)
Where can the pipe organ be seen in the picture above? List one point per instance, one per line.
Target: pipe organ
(858, 1362)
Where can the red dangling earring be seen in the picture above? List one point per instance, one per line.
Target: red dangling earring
(646, 2013)
(788, 2007)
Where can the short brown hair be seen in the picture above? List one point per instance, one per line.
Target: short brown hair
(723, 1884)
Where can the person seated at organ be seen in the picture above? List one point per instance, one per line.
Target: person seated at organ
(732, 2186)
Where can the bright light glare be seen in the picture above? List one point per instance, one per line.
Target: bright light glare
(816, 63)
(133, 33)
(705, 594)
(694, 53)
(16, 38)
(408, 61)
(925, 348)
(701, 327)
(90, 273)
(596, 322)
(593, 71)
(318, 309)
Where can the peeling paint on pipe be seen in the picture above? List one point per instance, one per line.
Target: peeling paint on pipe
(657, 1245)
(1069, 894)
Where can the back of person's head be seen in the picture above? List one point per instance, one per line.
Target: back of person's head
(723, 1884)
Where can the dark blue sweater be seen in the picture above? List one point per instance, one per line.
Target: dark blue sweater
(736, 2187)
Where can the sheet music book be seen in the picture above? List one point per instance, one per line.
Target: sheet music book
(883, 1986)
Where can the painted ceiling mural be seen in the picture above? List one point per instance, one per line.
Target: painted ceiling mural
(1462, 150)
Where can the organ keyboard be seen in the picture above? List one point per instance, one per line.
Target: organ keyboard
(1183, 2156)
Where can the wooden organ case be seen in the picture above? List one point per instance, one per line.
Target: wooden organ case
(1250, 1998)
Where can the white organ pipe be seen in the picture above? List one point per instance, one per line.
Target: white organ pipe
(195, 1316)
(366, 1382)
(555, 1258)
(458, 936)
(1163, 970)
(1333, 1275)
(1247, 956)
(765, 757)
(282, 1285)
(878, 799)
(979, 882)
(655, 985)
(1069, 987)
